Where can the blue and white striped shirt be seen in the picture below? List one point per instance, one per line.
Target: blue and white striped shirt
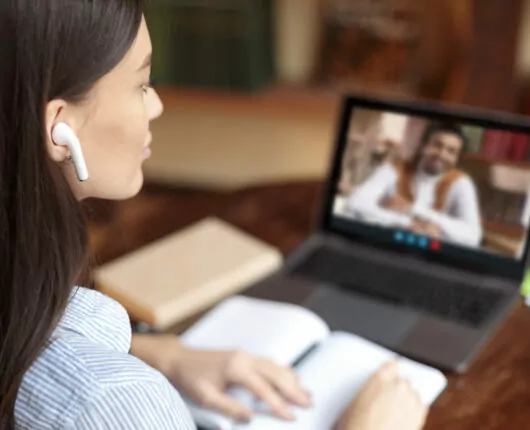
(86, 378)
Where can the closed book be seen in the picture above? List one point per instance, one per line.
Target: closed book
(474, 135)
(497, 144)
(519, 147)
(187, 272)
(490, 141)
(504, 145)
(527, 155)
(160, 23)
(224, 44)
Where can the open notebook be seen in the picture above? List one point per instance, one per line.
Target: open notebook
(332, 366)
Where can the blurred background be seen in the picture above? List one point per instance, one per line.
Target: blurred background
(252, 93)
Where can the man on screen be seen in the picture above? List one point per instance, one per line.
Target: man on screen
(427, 195)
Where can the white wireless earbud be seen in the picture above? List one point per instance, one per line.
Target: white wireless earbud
(63, 135)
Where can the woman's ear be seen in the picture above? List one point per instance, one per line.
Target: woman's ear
(55, 113)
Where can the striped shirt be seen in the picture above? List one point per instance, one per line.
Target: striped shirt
(86, 378)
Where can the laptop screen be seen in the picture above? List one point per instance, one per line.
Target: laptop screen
(434, 183)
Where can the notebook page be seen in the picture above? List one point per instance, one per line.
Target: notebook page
(278, 331)
(427, 381)
(335, 372)
(273, 330)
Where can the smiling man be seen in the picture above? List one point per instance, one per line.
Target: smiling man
(427, 195)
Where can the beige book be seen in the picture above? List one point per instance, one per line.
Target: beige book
(187, 272)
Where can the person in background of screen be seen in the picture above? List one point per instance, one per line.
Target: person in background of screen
(427, 195)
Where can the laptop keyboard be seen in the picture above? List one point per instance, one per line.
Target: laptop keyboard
(451, 300)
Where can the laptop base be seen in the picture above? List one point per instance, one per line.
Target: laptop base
(437, 341)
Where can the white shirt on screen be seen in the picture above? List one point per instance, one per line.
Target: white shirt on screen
(460, 221)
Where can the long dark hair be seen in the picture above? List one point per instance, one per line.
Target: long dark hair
(49, 49)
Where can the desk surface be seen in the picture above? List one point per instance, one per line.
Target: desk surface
(493, 395)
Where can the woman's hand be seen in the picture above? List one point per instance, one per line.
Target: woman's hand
(204, 376)
(386, 402)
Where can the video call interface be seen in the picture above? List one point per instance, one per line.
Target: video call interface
(436, 182)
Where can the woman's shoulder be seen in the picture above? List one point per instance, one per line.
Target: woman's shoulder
(76, 384)
(86, 372)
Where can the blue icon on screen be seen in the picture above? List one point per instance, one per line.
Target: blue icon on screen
(411, 239)
(423, 242)
(399, 236)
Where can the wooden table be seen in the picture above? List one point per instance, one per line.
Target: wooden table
(493, 395)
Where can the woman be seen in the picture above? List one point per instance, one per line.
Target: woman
(67, 360)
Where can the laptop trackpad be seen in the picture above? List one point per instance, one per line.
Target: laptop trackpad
(350, 312)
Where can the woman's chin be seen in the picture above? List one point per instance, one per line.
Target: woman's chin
(109, 189)
(137, 185)
(131, 190)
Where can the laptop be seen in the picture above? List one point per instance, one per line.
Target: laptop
(423, 238)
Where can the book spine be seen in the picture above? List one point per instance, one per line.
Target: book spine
(490, 143)
(159, 22)
(504, 146)
(475, 136)
(519, 147)
(223, 44)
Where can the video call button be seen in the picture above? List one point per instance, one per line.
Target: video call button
(419, 241)
(435, 245)
(399, 236)
(423, 242)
